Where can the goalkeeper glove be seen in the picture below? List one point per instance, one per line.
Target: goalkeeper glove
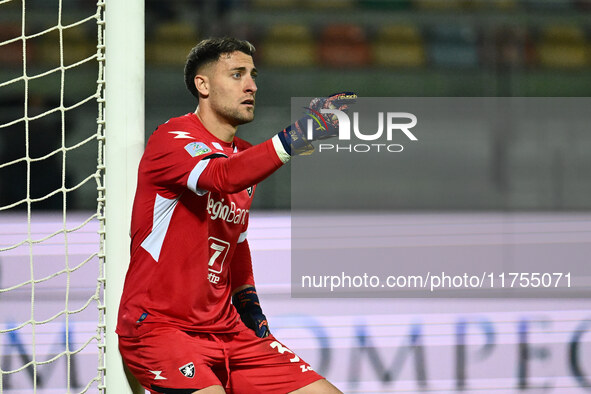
(295, 138)
(247, 304)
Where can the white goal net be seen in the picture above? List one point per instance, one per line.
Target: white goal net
(51, 196)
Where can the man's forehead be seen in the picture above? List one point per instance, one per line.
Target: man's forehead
(235, 59)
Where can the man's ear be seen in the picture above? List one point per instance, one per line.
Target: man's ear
(202, 84)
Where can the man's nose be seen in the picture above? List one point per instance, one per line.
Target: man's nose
(251, 86)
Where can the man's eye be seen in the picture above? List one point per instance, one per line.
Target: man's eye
(236, 75)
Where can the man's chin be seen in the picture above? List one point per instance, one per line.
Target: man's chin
(245, 119)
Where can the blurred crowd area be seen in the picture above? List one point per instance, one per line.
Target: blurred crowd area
(378, 48)
(413, 34)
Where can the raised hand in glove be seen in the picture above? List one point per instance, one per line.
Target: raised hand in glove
(296, 139)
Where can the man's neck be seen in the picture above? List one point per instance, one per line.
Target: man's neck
(215, 125)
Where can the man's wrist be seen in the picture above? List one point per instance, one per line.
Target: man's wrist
(248, 306)
(294, 140)
(283, 150)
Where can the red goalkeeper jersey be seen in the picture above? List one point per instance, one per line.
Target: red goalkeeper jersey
(188, 229)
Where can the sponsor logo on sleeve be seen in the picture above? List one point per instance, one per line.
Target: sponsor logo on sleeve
(197, 148)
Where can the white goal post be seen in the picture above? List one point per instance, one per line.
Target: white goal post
(124, 144)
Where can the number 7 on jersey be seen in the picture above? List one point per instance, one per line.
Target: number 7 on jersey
(218, 250)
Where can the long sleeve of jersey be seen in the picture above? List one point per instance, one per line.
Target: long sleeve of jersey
(241, 266)
(237, 172)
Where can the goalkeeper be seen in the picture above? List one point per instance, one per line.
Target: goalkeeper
(190, 319)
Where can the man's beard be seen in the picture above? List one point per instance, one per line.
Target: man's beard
(237, 117)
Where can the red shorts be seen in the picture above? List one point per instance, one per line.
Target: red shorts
(168, 360)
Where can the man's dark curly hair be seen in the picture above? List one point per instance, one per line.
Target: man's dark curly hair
(208, 51)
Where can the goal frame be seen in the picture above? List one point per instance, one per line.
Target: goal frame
(124, 145)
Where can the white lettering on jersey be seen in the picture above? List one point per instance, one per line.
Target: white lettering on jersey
(158, 377)
(229, 213)
(181, 135)
(213, 278)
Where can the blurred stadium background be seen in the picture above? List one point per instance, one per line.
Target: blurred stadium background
(398, 48)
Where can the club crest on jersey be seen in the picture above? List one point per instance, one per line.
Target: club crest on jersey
(188, 370)
(197, 148)
(249, 191)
